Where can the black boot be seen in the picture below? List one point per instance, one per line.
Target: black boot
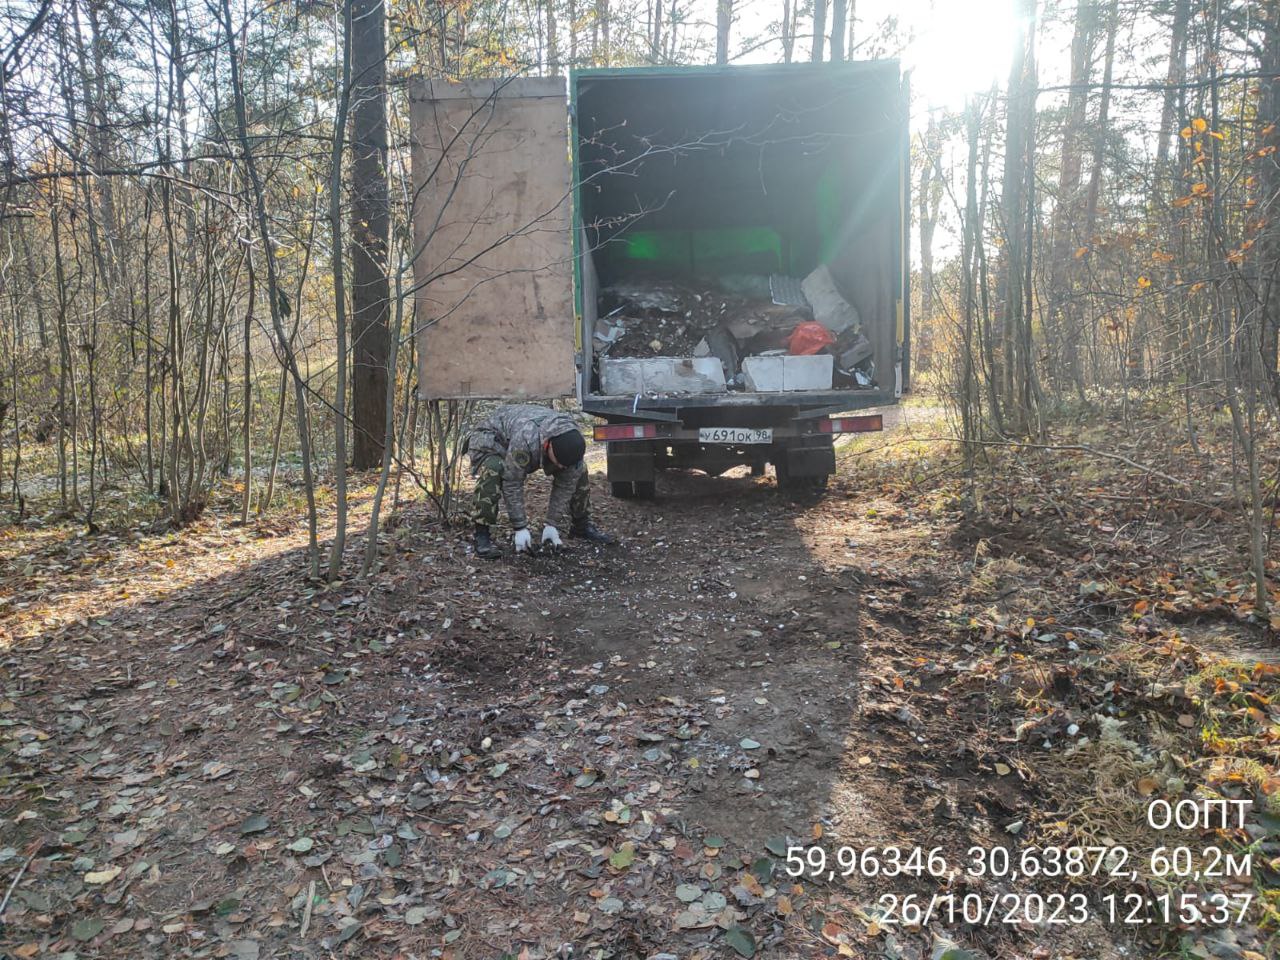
(586, 530)
(485, 548)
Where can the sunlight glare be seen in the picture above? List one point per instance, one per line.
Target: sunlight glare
(960, 47)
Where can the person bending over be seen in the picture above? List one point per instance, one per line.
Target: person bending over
(509, 445)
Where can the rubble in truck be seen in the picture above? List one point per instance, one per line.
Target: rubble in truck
(737, 332)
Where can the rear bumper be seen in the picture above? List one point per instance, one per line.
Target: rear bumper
(703, 407)
(794, 456)
(650, 433)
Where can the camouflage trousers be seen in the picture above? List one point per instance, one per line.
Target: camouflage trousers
(488, 493)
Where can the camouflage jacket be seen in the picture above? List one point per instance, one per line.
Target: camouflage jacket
(516, 433)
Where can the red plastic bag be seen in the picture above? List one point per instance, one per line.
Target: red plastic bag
(808, 338)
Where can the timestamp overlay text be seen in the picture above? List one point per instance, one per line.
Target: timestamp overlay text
(1187, 882)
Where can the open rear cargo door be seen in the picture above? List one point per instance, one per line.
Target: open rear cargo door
(493, 264)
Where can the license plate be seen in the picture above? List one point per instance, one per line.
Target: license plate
(735, 435)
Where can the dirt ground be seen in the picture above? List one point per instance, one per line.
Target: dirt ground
(602, 753)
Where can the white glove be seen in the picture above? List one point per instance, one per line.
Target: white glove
(523, 540)
(552, 535)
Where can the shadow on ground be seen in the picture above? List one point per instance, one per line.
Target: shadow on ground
(603, 748)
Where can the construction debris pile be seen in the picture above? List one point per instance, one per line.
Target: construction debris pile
(739, 332)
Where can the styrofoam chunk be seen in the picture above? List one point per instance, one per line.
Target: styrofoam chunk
(627, 376)
(787, 373)
(830, 308)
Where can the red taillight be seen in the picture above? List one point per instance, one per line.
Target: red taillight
(625, 431)
(866, 424)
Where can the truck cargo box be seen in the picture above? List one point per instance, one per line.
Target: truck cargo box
(676, 223)
(694, 175)
(717, 186)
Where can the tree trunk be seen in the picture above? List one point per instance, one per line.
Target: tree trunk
(389, 428)
(1015, 207)
(275, 301)
(340, 298)
(1177, 72)
(553, 47)
(838, 8)
(600, 34)
(67, 409)
(1165, 177)
(573, 33)
(930, 203)
(1268, 255)
(1093, 194)
(788, 31)
(819, 29)
(370, 229)
(1100, 126)
(247, 501)
(970, 401)
(1064, 325)
(655, 49)
(724, 22)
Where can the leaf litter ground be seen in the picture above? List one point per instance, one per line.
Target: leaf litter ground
(607, 752)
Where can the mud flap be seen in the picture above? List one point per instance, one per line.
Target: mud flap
(630, 462)
(807, 457)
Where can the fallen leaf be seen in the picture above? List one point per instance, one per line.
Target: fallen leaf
(255, 824)
(741, 940)
(87, 928)
(102, 876)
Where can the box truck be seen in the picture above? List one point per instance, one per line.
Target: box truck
(712, 260)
